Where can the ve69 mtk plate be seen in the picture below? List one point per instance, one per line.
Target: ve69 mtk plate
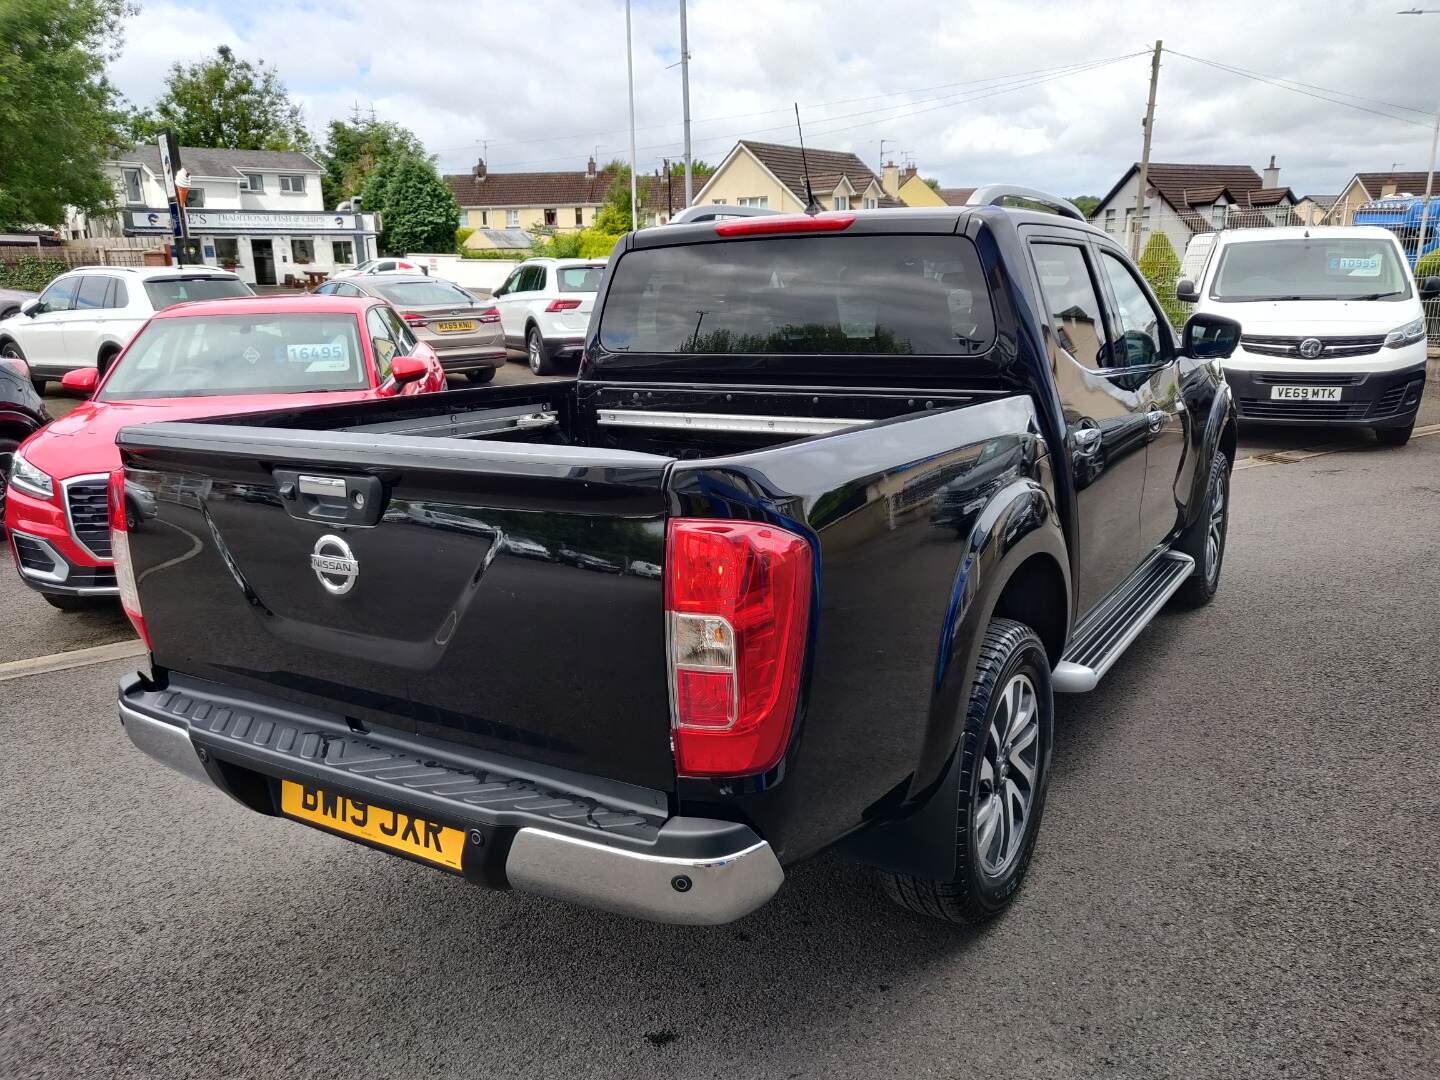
(1305, 393)
(391, 829)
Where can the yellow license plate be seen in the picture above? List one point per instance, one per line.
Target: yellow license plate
(459, 326)
(389, 828)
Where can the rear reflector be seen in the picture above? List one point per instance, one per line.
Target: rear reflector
(561, 305)
(120, 552)
(784, 223)
(737, 599)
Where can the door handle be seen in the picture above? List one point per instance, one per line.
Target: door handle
(1087, 439)
(1156, 419)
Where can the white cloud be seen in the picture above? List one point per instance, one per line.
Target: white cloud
(544, 82)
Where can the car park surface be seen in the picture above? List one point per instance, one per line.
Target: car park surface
(1220, 897)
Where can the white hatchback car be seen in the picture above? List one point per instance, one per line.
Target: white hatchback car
(388, 265)
(545, 307)
(87, 315)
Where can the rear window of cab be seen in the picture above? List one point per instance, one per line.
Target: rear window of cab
(864, 295)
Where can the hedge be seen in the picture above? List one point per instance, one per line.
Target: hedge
(30, 272)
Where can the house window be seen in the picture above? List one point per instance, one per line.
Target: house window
(842, 202)
(718, 202)
(484, 219)
(195, 199)
(1217, 215)
(512, 219)
(227, 251)
(552, 217)
(302, 249)
(252, 182)
(754, 200)
(579, 216)
(342, 252)
(133, 192)
(292, 185)
(1110, 221)
(869, 203)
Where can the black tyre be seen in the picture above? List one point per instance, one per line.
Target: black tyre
(105, 359)
(1205, 542)
(1394, 436)
(482, 375)
(1004, 767)
(14, 352)
(76, 603)
(537, 353)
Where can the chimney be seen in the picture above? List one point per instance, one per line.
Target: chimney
(1388, 188)
(890, 179)
(479, 170)
(908, 174)
(1272, 174)
(590, 169)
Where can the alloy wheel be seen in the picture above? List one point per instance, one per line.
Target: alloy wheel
(1215, 534)
(1009, 771)
(533, 350)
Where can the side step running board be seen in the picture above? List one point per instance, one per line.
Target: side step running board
(1109, 629)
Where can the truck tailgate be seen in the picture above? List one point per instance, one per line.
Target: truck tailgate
(506, 596)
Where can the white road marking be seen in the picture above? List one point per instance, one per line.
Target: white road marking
(76, 658)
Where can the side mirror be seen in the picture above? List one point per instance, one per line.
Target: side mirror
(81, 380)
(407, 369)
(30, 307)
(1209, 337)
(1186, 291)
(1429, 288)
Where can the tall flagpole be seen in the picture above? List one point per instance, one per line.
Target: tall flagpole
(630, 71)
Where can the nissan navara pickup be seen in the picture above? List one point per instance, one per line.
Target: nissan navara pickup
(835, 505)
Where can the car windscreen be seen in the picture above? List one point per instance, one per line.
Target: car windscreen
(216, 355)
(422, 293)
(164, 292)
(886, 295)
(580, 278)
(1311, 269)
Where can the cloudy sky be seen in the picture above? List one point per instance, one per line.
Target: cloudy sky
(974, 92)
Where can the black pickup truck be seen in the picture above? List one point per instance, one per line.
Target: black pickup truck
(796, 562)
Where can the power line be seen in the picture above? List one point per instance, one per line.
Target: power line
(905, 109)
(1307, 89)
(1019, 75)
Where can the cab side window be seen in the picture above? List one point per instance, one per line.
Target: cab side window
(92, 292)
(382, 341)
(1141, 336)
(60, 296)
(1072, 302)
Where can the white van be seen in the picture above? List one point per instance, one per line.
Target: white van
(1332, 328)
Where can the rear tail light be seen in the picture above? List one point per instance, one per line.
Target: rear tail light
(120, 551)
(737, 603)
(561, 305)
(490, 315)
(413, 319)
(784, 223)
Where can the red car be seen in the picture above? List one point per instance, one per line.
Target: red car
(210, 358)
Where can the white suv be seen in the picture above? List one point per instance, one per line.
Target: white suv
(545, 307)
(388, 265)
(86, 316)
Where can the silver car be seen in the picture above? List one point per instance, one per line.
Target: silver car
(464, 332)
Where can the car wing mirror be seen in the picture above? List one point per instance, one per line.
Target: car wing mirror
(81, 381)
(1186, 292)
(407, 369)
(1209, 337)
(1429, 288)
(30, 307)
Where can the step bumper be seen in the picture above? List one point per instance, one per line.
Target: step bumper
(584, 840)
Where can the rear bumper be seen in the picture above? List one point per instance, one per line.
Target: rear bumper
(581, 839)
(1381, 399)
(456, 361)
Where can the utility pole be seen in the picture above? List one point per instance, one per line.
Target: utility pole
(1434, 141)
(1145, 153)
(685, 97)
(630, 72)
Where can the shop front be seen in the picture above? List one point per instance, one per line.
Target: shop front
(269, 247)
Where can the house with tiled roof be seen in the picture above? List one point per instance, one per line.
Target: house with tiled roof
(1184, 199)
(772, 175)
(1366, 187)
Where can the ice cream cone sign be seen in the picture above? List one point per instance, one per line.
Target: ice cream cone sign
(182, 185)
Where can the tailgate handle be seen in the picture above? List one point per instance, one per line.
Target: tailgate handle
(341, 500)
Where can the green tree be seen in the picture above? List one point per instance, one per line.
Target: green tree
(59, 116)
(1162, 269)
(417, 211)
(353, 148)
(226, 102)
(931, 182)
(1086, 204)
